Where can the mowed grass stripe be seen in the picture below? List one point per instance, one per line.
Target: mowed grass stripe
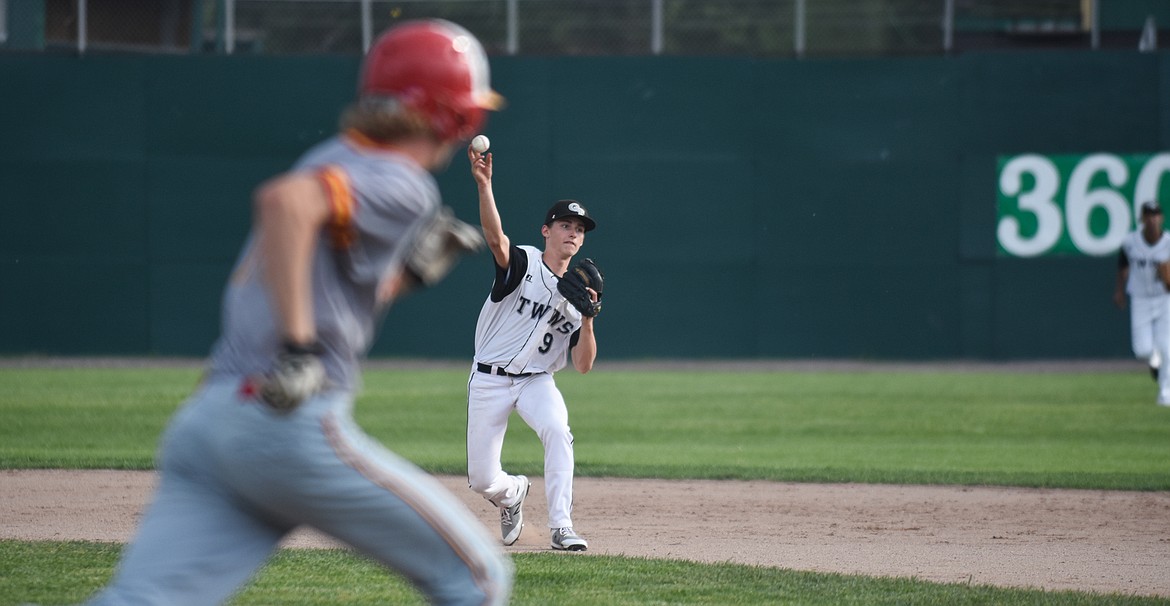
(1096, 430)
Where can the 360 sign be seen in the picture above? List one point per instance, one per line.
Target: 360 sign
(1074, 204)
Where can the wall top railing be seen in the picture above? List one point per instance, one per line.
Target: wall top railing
(759, 28)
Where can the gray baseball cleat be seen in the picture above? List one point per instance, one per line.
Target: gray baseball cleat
(566, 539)
(512, 518)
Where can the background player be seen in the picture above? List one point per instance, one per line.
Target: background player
(525, 333)
(268, 441)
(1142, 253)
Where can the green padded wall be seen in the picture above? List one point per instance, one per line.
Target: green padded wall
(746, 208)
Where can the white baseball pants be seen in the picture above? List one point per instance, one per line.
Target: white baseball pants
(490, 401)
(1150, 333)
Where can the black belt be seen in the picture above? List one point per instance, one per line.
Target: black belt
(485, 368)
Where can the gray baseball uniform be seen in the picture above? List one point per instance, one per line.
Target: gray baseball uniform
(237, 476)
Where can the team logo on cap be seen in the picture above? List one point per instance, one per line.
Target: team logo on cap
(574, 207)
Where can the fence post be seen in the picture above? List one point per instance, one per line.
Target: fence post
(1095, 25)
(367, 26)
(948, 25)
(656, 27)
(1148, 43)
(513, 44)
(82, 26)
(229, 26)
(798, 42)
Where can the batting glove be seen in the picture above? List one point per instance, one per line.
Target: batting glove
(296, 375)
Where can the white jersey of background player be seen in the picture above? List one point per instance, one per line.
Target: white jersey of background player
(526, 332)
(1142, 252)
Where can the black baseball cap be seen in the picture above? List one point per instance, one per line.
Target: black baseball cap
(569, 208)
(1151, 208)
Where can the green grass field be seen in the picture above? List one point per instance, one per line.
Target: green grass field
(1096, 430)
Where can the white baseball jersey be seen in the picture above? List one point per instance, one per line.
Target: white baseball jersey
(1143, 263)
(526, 326)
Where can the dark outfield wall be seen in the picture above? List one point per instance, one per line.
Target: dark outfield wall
(746, 208)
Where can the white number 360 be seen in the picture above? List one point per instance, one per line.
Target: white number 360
(1039, 196)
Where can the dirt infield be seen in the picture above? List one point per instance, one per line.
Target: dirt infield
(1087, 540)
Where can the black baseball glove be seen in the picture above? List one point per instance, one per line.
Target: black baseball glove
(580, 276)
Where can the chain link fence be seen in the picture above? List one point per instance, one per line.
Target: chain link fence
(762, 28)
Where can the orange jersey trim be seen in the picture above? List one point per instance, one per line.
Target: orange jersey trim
(342, 206)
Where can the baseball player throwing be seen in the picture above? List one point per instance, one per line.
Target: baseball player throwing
(1142, 273)
(527, 330)
(268, 441)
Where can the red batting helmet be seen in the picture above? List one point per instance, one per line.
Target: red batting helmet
(434, 67)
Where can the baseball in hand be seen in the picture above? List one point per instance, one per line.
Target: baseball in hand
(480, 144)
